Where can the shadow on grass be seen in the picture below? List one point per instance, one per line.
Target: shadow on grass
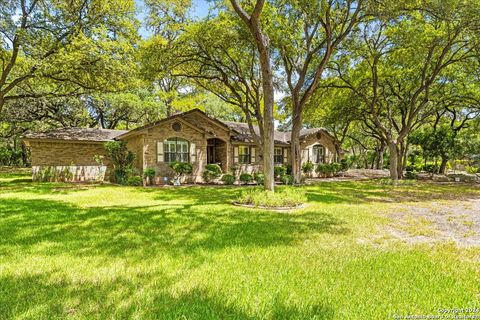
(40, 297)
(147, 230)
(373, 191)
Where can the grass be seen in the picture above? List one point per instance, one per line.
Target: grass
(287, 197)
(106, 252)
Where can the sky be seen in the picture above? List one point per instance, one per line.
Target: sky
(199, 10)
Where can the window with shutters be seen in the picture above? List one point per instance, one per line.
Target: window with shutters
(318, 153)
(176, 150)
(278, 155)
(244, 154)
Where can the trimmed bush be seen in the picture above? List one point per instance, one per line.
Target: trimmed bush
(259, 177)
(149, 173)
(286, 197)
(182, 168)
(246, 178)
(335, 167)
(307, 168)
(228, 179)
(212, 172)
(134, 181)
(287, 179)
(322, 170)
(279, 171)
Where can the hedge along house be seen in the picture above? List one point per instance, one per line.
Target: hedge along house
(190, 136)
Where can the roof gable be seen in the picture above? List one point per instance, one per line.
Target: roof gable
(185, 116)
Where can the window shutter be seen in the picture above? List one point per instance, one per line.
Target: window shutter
(193, 152)
(253, 157)
(285, 155)
(310, 154)
(160, 151)
(235, 154)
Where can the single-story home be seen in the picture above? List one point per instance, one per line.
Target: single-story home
(190, 136)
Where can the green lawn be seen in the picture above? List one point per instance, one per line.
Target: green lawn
(108, 252)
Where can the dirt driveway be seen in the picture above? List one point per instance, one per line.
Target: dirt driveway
(440, 221)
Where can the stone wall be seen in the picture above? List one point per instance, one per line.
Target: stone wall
(77, 157)
(66, 153)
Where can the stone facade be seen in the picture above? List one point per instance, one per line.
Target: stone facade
(145, 143)
(209, 141)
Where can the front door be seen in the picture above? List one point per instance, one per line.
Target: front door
(210, 154)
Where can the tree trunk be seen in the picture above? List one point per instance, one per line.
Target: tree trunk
(296, 155)
(381, 152)
(400, 152)
(443, 165)
(263, 46)
(392, 146)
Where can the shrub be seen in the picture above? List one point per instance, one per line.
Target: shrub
(228, 179)
(259, 177)
(286, 197)
(181, 168)
(122, 160)
(322, 169)
(279, 171)
(212, 172)
(411, 175)
(246, 178)
(431, 168)
(307, 168)
(344, 165)
(288, 168)
(287, 179)
(149, 173)
(134, 181)
(335, 167)
(471, 169)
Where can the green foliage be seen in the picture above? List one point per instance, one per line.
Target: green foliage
(259, 178)
(471, 169)
(344, 165)
(228, 179)
(307, 168)
(211, 172)
(287, 179)
(10, 156)
(149, 173)
(279, 171)
(66, 47)
(181, 168)
(285, 197)
(246, 178)
(122, 160)
(134, 181)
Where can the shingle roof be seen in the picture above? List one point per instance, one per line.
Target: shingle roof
(77, 134)
(242, 132)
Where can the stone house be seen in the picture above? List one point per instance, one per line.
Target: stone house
(190, 136)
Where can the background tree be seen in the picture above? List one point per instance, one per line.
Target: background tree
(307, 35)
(399, 64)
(63, 48)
